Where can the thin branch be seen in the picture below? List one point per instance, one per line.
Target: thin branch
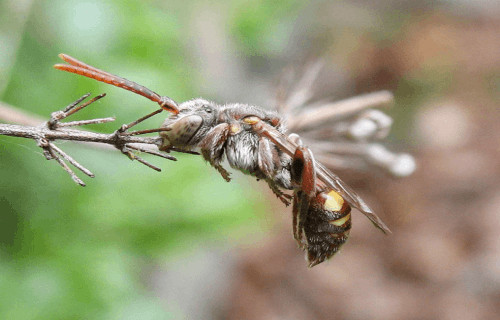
(132, 156)
(68, 158)
(94, 99)
(125, 127)
(49, 151)
(53, 129)
(74, 135)
(76, 102)
(182, 151)
(68, 170)
(338, 110)
(139, 132)
(85, 122)
(57, 116)
(166, 156)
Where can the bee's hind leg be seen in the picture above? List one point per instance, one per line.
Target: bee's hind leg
(303, 176)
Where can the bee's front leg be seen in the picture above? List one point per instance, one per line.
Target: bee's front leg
(212, 148)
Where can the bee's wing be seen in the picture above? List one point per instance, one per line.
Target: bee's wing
(330, 180)
(325, 122)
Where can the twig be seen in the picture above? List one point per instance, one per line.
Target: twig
(166, 156)
(75, 110)
(53, 129)
(182, 151)
(74, 135)
(71, 160)
(139, 132)
(340, 109)
(132, 156)
(76, 102)
(144, 162)
(85, 122)
(50, 154)
(57, 116)
(125, 127)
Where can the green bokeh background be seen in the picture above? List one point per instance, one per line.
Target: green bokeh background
(68, 252)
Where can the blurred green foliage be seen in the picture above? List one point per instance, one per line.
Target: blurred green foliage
(259, 25)
(68, 252)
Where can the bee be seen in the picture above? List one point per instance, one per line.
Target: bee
(256, 142)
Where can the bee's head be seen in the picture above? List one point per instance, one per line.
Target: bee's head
(195, 118)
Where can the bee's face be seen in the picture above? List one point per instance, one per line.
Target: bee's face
(190, 125)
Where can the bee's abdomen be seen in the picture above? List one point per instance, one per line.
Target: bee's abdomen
(327, 226)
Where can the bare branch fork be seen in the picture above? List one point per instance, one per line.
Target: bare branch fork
(55, 129)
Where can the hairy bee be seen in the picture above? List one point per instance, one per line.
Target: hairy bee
(255, 142)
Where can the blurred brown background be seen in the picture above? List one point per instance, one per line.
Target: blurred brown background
(443, 260)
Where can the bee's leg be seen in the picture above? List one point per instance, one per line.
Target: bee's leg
(303, 175)
(285, 198)
(298, 233)
(267, 157)
(300, 202)
(212, 148)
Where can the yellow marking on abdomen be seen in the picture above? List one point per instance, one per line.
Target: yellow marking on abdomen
(334, 201)
(340, 222)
